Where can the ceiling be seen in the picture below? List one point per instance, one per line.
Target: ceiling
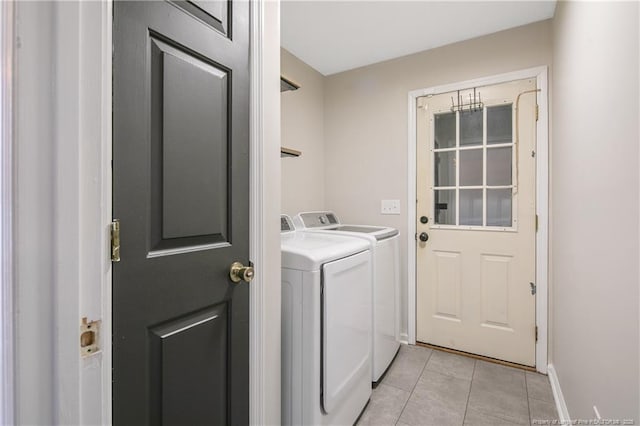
(334, 36)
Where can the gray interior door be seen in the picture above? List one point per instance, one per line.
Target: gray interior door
(180, 190)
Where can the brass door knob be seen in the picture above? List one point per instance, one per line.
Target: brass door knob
(239, 272)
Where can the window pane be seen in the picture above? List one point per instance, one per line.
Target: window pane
(471, 167)
(445, 168)
(499, 163)
(499, 122)
(445, 130)
(471, 207)
(470, 128)
(445, 206)
(498, 207)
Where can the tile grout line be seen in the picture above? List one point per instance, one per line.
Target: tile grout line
(385, 384)
(466, 407)
(414, 387)
(542, 400)
(526, 388)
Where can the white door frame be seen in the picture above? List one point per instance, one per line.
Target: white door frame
(7, 36)
(542, 198)
(81, 206)
(257, 247)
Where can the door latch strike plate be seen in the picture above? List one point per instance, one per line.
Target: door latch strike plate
(115, 240)
(536, 333)
(89, 337)
(533, 288)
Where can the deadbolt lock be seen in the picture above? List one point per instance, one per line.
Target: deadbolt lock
(239, 272)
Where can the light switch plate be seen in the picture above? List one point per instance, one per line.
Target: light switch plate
(390, 207)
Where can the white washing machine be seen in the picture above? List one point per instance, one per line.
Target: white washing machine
(326, 327)
(384, 244)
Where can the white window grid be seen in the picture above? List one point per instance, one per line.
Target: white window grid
(484, 187)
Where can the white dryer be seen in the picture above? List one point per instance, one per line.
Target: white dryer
(326, 327)
(384, 242)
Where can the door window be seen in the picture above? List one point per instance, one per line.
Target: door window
(473, 155)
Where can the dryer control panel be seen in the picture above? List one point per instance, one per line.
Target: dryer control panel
(286, 224)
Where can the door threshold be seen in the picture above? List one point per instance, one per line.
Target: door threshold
(480, 357)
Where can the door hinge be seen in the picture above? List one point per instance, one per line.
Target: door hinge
(533, 288)
(536, 223)
(536, 333)
(537, 112)
(115, 240)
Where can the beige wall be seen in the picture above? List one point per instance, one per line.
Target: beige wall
(594, 272)
(302, 129)
(366, 119)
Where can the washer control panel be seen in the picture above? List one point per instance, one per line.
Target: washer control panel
(318, 219)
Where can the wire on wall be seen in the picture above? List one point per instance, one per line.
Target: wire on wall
(516, 143)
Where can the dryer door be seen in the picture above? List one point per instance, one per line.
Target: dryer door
(346, 326)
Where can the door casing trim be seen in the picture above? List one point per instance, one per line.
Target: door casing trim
(7, 170)
(257, 239)
(542, 199)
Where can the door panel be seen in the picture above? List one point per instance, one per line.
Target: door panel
(194, 148)
(476, 186)
(181, 185)
(178, 351)
(214, 13)
(496, 276)
(448, 302)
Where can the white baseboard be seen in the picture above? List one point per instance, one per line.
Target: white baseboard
(404, 338)
(561, 405)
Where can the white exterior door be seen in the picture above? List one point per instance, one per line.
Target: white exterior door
(476, 211)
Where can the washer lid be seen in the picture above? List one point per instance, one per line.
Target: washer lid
(308, 251)
(329, 221)
(379, 232)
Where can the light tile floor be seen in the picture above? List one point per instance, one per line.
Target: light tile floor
(430, 387)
